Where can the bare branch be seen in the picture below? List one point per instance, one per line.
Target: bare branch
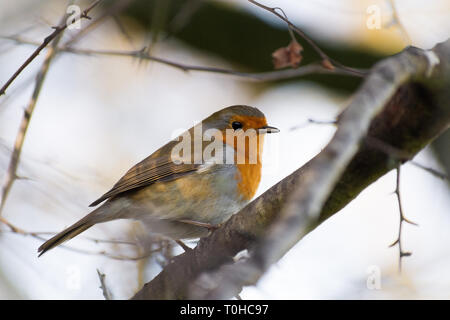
(398, 241)
(105, 291)
(313, 68)
(114, 9)
(11, 173)
(312, 121)
(46, 41)
(434, 172)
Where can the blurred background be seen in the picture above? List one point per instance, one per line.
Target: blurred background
(97, 115)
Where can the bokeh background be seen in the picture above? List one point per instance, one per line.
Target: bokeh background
(99, 115)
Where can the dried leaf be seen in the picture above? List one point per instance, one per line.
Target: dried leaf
(289, 56)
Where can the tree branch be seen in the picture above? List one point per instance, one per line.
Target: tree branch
(106, 293)
(313, 68)
(115, 8)
(403, 219)
(46, 41)
(11, 173)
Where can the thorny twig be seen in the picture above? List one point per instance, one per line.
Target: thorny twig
(11, 173)
(106, 293)
(19, 88)
(432, 171)
(402, 220)
(400, 156)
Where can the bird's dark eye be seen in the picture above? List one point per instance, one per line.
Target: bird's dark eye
(236, 125)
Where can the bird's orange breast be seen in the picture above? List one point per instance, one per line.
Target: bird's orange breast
(248, 180)
(249, 172)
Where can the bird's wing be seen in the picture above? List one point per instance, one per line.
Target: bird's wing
(157, 167)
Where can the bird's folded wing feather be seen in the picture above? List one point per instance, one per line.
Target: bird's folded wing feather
(157, 167)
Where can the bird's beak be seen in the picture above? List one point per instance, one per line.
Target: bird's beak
(269, 129)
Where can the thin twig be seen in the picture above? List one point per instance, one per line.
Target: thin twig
(326, 60)
(11, 173)
(312, 121)
(48, 233)
(114, 9)
(434, 172)
(18, 88)
(315, 68)
(401, 155)
(291, 32)
(46, 41)
(105, 291)
(398, 242)
(38, 235)
(260, 76)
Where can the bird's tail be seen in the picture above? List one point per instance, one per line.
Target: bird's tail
(72, 231)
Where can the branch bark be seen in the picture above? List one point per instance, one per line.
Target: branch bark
(404, 102)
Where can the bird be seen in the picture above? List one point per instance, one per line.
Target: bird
(188, 186)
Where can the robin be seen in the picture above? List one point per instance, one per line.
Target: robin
(185, 188)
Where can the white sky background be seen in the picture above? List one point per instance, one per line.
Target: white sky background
(97, 116)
